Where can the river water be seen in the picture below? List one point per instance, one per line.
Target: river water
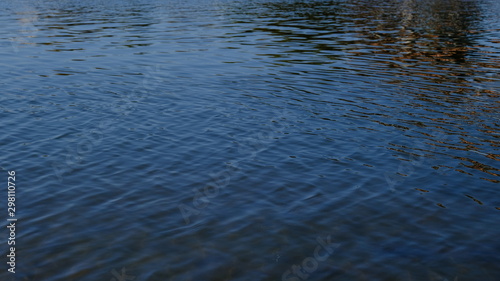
(291, 140)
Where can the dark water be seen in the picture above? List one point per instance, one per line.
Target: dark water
(230, 140)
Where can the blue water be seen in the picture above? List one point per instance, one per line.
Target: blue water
(195, 140)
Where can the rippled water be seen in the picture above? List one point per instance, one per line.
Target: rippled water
(230, 140)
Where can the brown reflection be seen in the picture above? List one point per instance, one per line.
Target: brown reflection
(427, 30)
(424, 30)
(480, 167)
(475, 200)
(431, 50)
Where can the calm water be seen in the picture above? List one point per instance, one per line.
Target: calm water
(229, 140)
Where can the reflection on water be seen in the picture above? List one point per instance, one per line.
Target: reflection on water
(228, 140)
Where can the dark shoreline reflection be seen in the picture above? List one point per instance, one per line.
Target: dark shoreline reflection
(411, 48)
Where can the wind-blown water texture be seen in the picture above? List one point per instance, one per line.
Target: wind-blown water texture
(221, 140)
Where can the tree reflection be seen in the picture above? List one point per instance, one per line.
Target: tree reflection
(441, 30)
(427, 51)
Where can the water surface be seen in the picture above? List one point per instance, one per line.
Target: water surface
(219, 140)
